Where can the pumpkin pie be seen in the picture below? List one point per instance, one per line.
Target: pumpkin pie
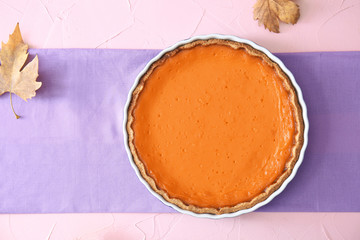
(214, 126)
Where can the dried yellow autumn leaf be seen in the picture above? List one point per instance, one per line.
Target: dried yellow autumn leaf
(269, 12)
(13, 77)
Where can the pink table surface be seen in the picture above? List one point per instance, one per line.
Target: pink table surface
(325, 25)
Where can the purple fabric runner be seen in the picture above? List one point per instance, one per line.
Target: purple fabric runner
(67, 153)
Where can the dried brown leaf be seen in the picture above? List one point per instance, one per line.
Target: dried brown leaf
(14, 78)
(269, 12)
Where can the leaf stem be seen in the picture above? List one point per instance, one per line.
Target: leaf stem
(12, 107)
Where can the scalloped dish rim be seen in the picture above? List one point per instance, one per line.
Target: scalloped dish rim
(301, 103)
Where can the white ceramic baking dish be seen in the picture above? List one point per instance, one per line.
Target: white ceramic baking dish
(301, 101)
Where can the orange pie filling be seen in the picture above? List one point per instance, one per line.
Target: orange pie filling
(214, 126)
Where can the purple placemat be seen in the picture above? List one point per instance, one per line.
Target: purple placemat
(67, 153)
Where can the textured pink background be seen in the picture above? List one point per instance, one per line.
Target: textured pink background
(325, 25)
(264, 226)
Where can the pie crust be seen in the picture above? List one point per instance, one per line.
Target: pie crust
(295, 150)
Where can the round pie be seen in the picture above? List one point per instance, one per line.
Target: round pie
(214, 126)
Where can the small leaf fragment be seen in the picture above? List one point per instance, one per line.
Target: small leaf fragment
(13, 77)
(269, 12)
